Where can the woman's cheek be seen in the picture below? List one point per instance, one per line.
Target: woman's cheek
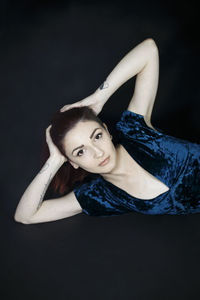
(85, 162)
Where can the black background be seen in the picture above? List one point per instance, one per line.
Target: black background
(58, 52)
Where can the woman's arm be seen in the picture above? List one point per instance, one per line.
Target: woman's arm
(143, 61)
(31, 209)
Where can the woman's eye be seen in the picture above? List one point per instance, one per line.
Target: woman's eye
(80, 153)
(98, 136)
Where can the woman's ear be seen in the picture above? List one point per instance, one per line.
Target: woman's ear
(74, 165)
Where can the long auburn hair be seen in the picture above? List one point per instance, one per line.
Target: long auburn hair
(66, 177)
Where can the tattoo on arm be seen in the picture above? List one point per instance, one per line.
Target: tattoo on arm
(44, 191)
(44, 168)
(104, 85)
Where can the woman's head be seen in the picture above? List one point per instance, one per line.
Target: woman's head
(82, 137)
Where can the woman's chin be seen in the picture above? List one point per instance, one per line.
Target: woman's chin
(101, 170)
(104, 168)
(107, 169)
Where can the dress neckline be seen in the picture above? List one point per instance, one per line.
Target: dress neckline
(123, 191)
(118, 189)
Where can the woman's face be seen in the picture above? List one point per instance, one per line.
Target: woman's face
(89, 146)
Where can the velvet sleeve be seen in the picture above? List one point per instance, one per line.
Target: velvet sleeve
(96, 199)
(160, 154)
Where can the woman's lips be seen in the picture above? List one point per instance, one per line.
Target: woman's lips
(104, 162)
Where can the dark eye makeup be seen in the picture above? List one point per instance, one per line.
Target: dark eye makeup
(80, 152)
(98, 136)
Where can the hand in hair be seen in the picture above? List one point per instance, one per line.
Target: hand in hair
(54, 152)
(92, 101)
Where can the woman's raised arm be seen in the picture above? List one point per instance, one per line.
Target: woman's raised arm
(143, 61)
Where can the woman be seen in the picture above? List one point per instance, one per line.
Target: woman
(147, 172)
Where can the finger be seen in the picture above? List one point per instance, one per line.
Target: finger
(47, 132)
(64, 108)
(48, 128)
(69, 106)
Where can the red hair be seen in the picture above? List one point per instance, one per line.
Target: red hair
(66, 177)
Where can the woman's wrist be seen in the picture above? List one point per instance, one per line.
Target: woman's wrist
(129, 66)
(56, 161)
(102, 93)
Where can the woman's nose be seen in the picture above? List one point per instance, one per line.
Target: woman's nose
(98, 152)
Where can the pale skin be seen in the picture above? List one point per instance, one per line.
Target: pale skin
(88, 152)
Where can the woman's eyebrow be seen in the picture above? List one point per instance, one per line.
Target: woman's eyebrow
(77, 148)
(90, 138)
(94, 132)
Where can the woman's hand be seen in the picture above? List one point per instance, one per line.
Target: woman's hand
(92, 101)
(54, 151)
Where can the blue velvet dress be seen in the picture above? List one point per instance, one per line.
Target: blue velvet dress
(174, 161)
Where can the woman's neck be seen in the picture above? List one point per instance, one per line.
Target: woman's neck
(125, 166)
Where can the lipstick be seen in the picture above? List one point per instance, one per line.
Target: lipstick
(104, 162)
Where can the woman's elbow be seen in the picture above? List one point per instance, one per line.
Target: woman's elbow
(19, 220)
(152, 44)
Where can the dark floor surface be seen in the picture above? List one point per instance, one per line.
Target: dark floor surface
(58, 52)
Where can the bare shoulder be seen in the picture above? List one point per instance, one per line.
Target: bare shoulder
(55, 209)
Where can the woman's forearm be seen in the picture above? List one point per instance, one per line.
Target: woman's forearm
(132, 64)
(34, 194)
